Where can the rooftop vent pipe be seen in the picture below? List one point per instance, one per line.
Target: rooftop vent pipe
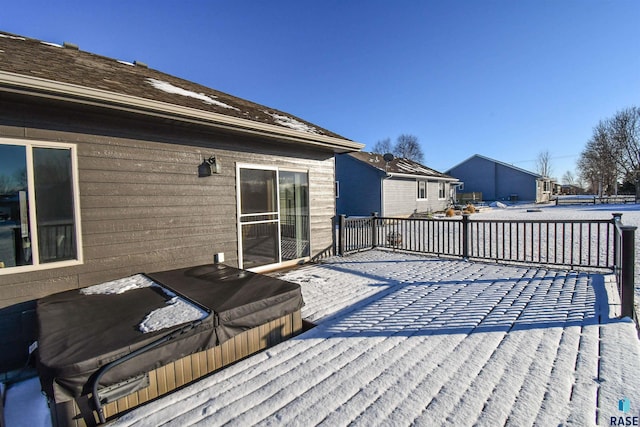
(71, 46)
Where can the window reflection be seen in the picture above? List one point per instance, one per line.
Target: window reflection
(54, 204)
(257, 191)
(15, 241)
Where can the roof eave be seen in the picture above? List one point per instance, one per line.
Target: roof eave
(408, 175)
(44, 88)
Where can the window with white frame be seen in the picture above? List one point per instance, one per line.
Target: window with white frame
(39, 215)
(422, 189)
(442, 190)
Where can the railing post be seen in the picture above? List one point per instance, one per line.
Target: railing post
(334, 243)
(341, 232)
(628, 258)
(374, 229)
(617, 217)
(465, 236)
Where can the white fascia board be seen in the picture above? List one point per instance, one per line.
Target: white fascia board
(35, 86)
(428, 177)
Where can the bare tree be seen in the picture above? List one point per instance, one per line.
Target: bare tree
(408, 147)
(613, 152)
(624, 131)
(543, 164)
(11, 184)
(383, 146)
(568, 178)
(598, 163)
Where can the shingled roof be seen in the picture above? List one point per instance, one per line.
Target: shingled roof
(37, 67)
(399, 166)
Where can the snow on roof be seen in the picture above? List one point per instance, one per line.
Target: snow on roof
(8, 36)
(399, 165)
(70, 65)
(51, 44)
(169, 88)
(293, 123)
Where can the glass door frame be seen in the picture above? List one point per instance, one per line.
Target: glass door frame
(279, 263)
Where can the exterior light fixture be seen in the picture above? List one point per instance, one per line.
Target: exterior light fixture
(209, 166)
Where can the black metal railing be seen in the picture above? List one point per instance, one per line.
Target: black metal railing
(624, 255)
(56, 241)
(577, 244)
(566, 243)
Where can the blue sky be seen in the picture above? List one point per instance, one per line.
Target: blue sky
(505, 79)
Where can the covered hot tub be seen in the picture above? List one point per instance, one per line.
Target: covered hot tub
(111, 347)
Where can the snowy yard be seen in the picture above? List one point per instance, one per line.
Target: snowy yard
(405, 339)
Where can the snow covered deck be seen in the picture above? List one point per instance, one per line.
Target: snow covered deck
(406, 339)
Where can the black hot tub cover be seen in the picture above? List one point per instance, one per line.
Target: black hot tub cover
(80, 333)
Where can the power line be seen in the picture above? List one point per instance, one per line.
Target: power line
(551, 158)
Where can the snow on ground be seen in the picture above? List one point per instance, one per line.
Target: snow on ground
(404, 339)
(26, 406)
(630, 216)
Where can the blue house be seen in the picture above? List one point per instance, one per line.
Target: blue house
(366, 183)
(500, 181)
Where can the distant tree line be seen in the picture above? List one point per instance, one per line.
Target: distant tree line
(612, 154)
(406, 146)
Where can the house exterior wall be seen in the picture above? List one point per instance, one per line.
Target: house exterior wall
(359, 187)
(512, 182)
(143, 207)
(494, 180)
(401, 197)
(478, 175)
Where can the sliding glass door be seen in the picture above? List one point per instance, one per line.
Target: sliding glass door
(273, 215)
(294, 215)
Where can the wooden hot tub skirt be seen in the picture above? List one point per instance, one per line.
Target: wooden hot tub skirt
(163, 380)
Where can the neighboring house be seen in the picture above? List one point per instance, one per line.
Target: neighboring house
(366, 183)
(500, 181)
(100, 164)
(571, 189)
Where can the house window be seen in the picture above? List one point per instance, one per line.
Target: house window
(39, 216)
(442, 190)
(422, 189)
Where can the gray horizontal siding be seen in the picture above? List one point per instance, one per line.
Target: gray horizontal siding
(401, 197)
(143, 207)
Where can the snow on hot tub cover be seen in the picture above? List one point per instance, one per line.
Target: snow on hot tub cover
(79, 333)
